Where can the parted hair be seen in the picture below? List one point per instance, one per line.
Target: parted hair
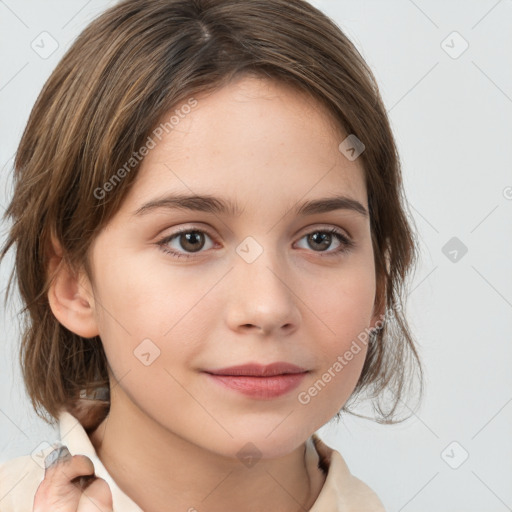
(129, 67)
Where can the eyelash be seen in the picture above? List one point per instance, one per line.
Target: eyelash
(346, 244)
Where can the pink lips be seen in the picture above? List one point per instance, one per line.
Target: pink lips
(258, 381)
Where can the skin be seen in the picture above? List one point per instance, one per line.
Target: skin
(172, 435)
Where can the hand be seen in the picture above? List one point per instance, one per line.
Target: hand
(69, 485)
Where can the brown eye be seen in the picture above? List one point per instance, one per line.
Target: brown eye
(191, 241)
(322, 239)
(184, 243)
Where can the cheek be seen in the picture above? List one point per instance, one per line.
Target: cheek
(146, 301)
(345, 302)
(147, 316)
(340, 355)
(345, 311)
(150, 332)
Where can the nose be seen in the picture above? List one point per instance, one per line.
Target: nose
(261, 297)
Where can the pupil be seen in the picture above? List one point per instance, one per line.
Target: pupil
(325, 238)
(189, 237)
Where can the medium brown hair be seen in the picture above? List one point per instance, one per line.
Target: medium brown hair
(127, 69)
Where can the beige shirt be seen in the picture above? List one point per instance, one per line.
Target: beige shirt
(20, 477)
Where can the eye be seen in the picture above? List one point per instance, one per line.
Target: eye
(322, 239)
(188, 239)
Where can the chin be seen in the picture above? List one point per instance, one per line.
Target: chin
(267, 442)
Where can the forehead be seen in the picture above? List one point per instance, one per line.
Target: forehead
(254, 140)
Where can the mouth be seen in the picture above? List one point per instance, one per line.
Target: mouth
(258, 370)
(258, 381)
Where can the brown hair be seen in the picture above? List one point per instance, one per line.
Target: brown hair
(127, 69)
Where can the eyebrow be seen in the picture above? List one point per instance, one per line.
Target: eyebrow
(216, 205)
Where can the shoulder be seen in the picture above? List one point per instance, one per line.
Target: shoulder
(19, 480)
(349, 492)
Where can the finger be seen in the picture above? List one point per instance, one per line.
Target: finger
(96, 498)
(56, 493)
(66, 477)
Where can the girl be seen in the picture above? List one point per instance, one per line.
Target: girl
(194, 378)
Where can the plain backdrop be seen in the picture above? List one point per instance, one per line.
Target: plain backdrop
(445, 73)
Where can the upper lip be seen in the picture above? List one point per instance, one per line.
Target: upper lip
(258, 370)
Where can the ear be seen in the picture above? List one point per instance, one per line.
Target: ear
(379, 308)
(70, 296)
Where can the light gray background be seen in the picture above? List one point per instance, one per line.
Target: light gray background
(452, 120)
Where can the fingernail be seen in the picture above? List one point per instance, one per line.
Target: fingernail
(60, 453)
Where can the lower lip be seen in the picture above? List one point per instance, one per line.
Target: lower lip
(260, 387)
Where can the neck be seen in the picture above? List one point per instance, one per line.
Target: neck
(156, 467)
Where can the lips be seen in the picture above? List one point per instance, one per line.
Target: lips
(259, 381)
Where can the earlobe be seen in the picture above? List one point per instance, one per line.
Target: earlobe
(70, 300)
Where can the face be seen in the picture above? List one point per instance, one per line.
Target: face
(181, 290)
